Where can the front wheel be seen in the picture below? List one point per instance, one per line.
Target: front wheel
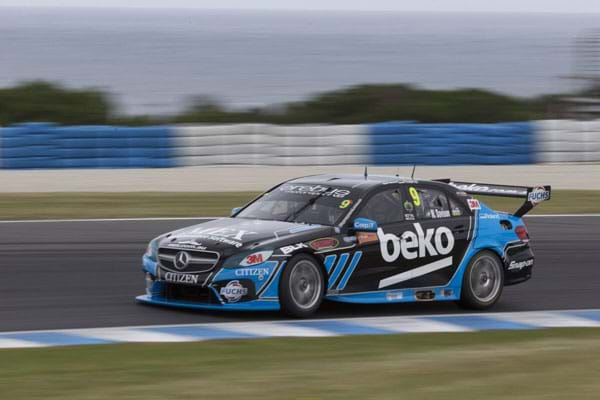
(483, 281)
(301, 286)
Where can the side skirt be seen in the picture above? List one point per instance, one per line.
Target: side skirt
(446, 293)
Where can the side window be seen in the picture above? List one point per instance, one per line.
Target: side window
(428, 203)
(456, 210)
(384, 207)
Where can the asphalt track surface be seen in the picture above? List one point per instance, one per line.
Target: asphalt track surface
(83, 274)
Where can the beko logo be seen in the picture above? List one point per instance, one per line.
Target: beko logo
(415, 245)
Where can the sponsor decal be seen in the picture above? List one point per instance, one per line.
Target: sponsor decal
(364, 224)
(188, 244)
(409, 217)
(181, 278)
(315, 190)
(489, 216)
(228, 236)
(408, 206)
(233, 291)
(519, 265)
(456, 212)
(367, 237)
(413, 245)
(261, 273)
(473, 187)
(474, 204)
(256, 258)
(391, 296)
(324, 243)
(293, 247)
(349, 239)
(538, 194)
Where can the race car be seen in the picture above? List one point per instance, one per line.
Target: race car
(347, 238)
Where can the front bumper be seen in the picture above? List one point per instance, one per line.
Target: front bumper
(239, 289)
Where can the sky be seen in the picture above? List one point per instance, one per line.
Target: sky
(554, 6)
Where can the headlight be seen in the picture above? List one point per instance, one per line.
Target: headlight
(246, 260)
(152, 248)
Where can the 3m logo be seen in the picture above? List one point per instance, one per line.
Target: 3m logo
(413, 245)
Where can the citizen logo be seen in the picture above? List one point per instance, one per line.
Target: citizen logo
(181, 278)
(182, 259)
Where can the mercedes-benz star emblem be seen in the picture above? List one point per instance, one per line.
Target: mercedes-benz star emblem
(181, 260)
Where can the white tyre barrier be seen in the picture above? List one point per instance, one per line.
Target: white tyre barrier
(567, 141)
(271, 144)
(319, 160)
(221, 150)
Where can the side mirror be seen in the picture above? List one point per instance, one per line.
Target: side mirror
(235, 210)
(365, 225)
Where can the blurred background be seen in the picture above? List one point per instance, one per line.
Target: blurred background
(136, 65)
(112, 112)
(381, 84)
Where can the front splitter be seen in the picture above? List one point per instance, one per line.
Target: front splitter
(254, 305)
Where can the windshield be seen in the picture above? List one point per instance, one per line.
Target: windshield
(304, 203)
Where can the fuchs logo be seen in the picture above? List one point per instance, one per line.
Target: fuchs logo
(538, 194)
(415, 245)
(233, 291)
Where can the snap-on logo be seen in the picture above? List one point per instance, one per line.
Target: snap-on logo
(415, 245)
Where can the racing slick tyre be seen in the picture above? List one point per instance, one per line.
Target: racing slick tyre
(301, 287)
(483, 281)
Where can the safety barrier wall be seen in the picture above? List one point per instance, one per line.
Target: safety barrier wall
(392, 143)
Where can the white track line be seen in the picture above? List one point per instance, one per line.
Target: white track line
(29, 221)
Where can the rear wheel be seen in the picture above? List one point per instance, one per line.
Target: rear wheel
(301, 286)
(483, 281)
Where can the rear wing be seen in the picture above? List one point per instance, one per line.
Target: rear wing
(532, 195)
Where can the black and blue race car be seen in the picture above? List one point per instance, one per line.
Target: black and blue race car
(347, 238)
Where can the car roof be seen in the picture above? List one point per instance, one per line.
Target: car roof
(358, 182)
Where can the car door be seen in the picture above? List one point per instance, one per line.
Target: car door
(385, 207)
(439, 237)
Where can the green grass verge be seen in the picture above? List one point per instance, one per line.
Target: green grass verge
(544, 364)
(160, 204)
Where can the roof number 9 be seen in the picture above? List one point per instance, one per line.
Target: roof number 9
(415, 196)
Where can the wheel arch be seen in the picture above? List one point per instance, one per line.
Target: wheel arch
(315, 256)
